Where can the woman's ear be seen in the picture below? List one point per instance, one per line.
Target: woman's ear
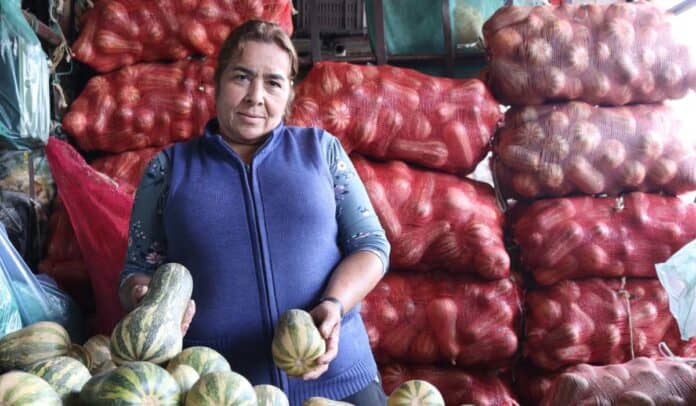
(288, 107)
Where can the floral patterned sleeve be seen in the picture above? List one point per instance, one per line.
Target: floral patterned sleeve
(359, 228)
(146, 242)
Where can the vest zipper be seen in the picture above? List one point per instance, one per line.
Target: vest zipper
(279, 381)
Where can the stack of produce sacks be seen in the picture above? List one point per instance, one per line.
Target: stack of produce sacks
(638, 382)
(153, 90)
(448, 311)
(597, 299)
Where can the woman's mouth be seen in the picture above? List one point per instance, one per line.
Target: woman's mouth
(250, 116)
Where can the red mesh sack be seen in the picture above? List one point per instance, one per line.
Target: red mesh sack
(442, 318)
(122, 32)
(531, 384)
(72, 277)
(599, 321)
(572, 148)
(435, 220)
(394, 113)
(99, 212)
(584, 236)
(126, 168)
(143, 106)
(62, 245)
(62, 258)
(642, 381)
(602, 54)
(457, 387)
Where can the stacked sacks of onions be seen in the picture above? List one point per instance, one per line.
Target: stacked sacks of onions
(592, 134)
(448, 311)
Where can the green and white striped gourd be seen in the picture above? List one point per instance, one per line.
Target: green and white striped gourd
(66, 376)
(269, 395)
(137, 383)
(34, 343)
(79, 353)
(99, 353)
(319, 401)
(416, 393)
(19, 388)
(221, 389)
(152, 331)
(185, 377)
(203, 360)
(297, 343)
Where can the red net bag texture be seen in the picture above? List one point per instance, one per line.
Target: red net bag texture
(99, 212)
(435, 220)
(602, 54)
(458, 387)
(126, 168)
(599, 321)
(443, 319)
(62, 257)
(580, 237)
(117, 33)
(393, 113)
(62, 245)
(142, 106)
(574, 148)
(530, 383)
(642, 381)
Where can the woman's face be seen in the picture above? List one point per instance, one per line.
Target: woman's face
(253, 92)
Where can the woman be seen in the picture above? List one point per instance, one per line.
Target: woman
(267, 217)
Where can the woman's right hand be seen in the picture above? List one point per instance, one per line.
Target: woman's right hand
(135, 288)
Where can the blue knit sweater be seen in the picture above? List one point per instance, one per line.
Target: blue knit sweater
(260, 239)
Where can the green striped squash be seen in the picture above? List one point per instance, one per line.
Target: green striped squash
(79, 353)
(202, 359)
(66, 375)
(416, 393)
(34, 343)
(297, 343)
(19, 388)
(152, 331)
(137, 383)
(319, 401)
(99, 353)
(185, 377)
(221, 389)
(269, 395)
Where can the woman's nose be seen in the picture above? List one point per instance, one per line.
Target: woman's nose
(255, 92)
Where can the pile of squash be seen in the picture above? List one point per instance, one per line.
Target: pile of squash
(143, 362)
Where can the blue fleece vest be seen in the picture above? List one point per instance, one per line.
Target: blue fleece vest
(260, 239)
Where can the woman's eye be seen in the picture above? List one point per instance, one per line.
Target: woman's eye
(276, 84)
(240, 77)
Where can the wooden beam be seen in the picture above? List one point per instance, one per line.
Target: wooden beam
(314, 31)
(43, 31)
(378, 15)
(447, 32)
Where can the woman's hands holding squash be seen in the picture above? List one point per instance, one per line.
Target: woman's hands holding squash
(136, 287)
(327, 317)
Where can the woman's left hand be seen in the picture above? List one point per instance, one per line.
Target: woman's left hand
(327, 317)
